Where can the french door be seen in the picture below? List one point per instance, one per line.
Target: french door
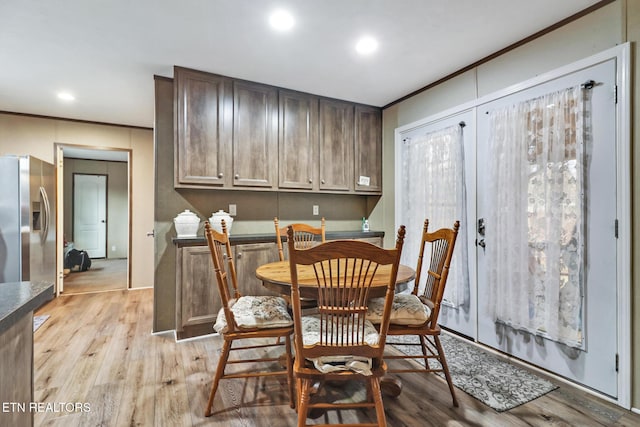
(600, 316)
(436, 177)
(592, 359)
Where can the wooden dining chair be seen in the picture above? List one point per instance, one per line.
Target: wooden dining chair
(337, 343)
(244, 317)
(417, 313)
(304, 235)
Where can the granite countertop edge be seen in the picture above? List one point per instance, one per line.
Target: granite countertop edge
(17, 299)
(240, 239)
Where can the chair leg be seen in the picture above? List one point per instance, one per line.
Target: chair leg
(222, 362)
(303, 401)
(425, 351)
(445, 368)
(292, 399)
(377, 400)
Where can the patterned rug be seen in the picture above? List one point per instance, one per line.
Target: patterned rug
(38, 321)
(493, 381)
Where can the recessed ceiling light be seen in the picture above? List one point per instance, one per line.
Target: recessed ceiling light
(281, 20)
(66, 96)
(366, 45)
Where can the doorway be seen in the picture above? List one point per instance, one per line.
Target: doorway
(94, 211)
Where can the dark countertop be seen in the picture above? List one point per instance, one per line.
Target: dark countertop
(242, 239)
(19, 298)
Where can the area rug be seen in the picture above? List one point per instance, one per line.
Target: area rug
(493, 381)
(38, 321)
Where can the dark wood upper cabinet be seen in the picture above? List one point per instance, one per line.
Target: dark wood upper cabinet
(298, 140)
(368, 149)
(203, 128)
(335, 154)
(235, 134)
(255, 135)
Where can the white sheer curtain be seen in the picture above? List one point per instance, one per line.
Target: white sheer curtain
(535, 230)
(433, 188)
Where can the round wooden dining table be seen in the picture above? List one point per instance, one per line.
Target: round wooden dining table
(276, 276)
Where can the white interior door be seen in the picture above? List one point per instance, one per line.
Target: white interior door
(595, 364)
(90, 214)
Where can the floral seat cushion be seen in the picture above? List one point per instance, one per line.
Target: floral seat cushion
(407, 309)
(311, 326)
(252, 312)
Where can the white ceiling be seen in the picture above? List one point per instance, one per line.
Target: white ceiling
(106, 52)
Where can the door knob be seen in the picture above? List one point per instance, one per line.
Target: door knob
(481, 243)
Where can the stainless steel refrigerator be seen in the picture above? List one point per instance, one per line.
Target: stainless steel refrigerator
(27, 220)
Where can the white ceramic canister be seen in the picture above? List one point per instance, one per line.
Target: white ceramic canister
(187, 224)
(216, 221)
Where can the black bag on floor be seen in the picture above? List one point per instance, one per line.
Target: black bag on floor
(76, 260)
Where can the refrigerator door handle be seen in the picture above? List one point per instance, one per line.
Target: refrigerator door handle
(47, 215)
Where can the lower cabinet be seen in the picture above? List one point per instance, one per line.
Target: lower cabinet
(197, 297)
(197, 300)
(248, 258)
(378, 241)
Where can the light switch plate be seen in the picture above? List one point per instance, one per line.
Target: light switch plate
(232, 210)
(316, 210)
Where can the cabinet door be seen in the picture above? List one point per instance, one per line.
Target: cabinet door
(197, 299)
(336, 129)
(298, 128)
(368, 149)
(248, 258)
(203, 111)
(255, 135)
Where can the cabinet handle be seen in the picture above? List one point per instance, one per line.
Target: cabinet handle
(310, 181)
(237, 176)
(322, 182)
(220, 175)
(239, 255)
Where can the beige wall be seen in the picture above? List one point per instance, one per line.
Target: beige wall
(607, 27)
(22, 135)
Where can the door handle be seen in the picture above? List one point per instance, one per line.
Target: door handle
(151, 233)
(481, 243)
(47, 214)
(481, 226)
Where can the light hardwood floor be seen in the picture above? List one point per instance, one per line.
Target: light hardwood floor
(103, 275)
(97, 349)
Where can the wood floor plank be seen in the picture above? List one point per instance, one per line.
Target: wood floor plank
(137, 404)
(98, 349)
(171, 401)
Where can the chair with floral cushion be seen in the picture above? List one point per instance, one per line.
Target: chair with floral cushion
(417, 313)
(246, 317)
(337, 343)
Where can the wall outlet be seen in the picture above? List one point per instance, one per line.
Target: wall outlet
(316, 210)
(232, 210)
(113, 248)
